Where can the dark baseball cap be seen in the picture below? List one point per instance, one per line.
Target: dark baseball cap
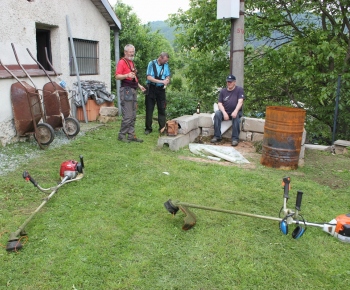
(230, 78)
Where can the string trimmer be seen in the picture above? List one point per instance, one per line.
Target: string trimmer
(338, 227)
(69, 171)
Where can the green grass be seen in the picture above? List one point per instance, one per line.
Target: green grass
(110, 230)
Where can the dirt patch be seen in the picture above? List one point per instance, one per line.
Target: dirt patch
(12, 155)
(328, 169)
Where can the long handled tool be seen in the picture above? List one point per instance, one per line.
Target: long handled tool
(70, 171)
(338, 227)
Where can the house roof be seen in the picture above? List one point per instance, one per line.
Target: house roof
(107, 11)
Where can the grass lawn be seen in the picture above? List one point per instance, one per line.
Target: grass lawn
(110, 230)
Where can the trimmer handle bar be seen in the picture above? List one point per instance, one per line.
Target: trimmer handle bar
(27, 177)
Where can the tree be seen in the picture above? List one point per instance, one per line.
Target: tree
(304, 46)
(148, 45)
(294, 51)
(203, 42)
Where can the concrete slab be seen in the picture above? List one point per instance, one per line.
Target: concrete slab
(257, 136)
(106, 119)
(340, 149)
(109, 111)
(208, 131)
(303, 138)
(225, 125)
(343, 143)
(302, 152)
(204, 120)
(318, 147)
(187, 123)
(253, 124)
(243, 136)
(194, 134)
(174, 143)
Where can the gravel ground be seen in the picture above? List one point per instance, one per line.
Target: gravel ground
(13, 155)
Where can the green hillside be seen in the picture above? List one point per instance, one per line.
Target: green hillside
(163, 29)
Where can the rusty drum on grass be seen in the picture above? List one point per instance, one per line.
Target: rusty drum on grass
(283, 133)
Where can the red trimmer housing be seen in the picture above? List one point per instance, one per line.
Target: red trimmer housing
(70, 169)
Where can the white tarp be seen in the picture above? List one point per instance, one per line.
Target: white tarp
(223, 152)
(225, 125)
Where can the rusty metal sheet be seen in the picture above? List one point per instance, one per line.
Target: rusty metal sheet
(26, 106)
(56, 101)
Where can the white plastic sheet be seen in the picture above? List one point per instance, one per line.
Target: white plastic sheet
(223, 152)
(225, 125)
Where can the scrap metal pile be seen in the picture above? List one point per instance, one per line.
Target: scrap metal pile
(95, 90)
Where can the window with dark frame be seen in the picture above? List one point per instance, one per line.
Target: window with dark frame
(86, 52)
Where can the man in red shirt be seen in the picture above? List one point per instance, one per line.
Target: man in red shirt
(126, 73)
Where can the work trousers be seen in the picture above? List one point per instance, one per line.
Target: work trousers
(156, 95)
(219, 117)
(128, 102)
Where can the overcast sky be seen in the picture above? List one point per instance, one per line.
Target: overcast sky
(153, 10)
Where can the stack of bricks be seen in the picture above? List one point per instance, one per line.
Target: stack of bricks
(191, 126)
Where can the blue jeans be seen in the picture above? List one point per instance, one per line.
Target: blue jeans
(219, 117)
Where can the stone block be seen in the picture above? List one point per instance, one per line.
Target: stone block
(208, 131)
(253, 124)
(227, 134)
(341, 146)
(257, 136)
(204, 120)
(302, 152)
(301, 162)
(318, 147)
(245, 136)
(106, 119)
(108, 111)
(303, 138)
(174, 142)
(194, 134)
(187, 123)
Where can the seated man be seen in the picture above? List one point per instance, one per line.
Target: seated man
(230, 104)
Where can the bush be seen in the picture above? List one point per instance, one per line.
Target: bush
(180, 103)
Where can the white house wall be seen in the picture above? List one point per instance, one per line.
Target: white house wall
(19, 19)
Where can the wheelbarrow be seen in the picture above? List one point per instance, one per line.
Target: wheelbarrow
(27, 111)
(56, 104)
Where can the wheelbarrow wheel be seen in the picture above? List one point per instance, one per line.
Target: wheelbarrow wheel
(71, 127)
(45, 134)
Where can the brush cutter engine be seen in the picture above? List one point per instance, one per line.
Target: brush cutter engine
(70, 171)
(339, 227)
(71, 168)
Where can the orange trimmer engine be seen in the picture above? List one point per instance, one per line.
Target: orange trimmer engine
(343, 225)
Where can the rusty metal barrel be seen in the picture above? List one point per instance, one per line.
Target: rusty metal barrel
(283, 133)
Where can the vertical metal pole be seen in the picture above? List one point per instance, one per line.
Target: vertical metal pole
(76, 68)
(237, 39)
(117, 58)
(231, 46)
(336, 109)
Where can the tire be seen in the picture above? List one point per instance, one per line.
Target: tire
(45, 132)
(71, 127)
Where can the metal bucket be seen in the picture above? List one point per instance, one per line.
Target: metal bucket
(283, 133)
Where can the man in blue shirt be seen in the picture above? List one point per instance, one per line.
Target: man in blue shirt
(230, 104)
(158, 77)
